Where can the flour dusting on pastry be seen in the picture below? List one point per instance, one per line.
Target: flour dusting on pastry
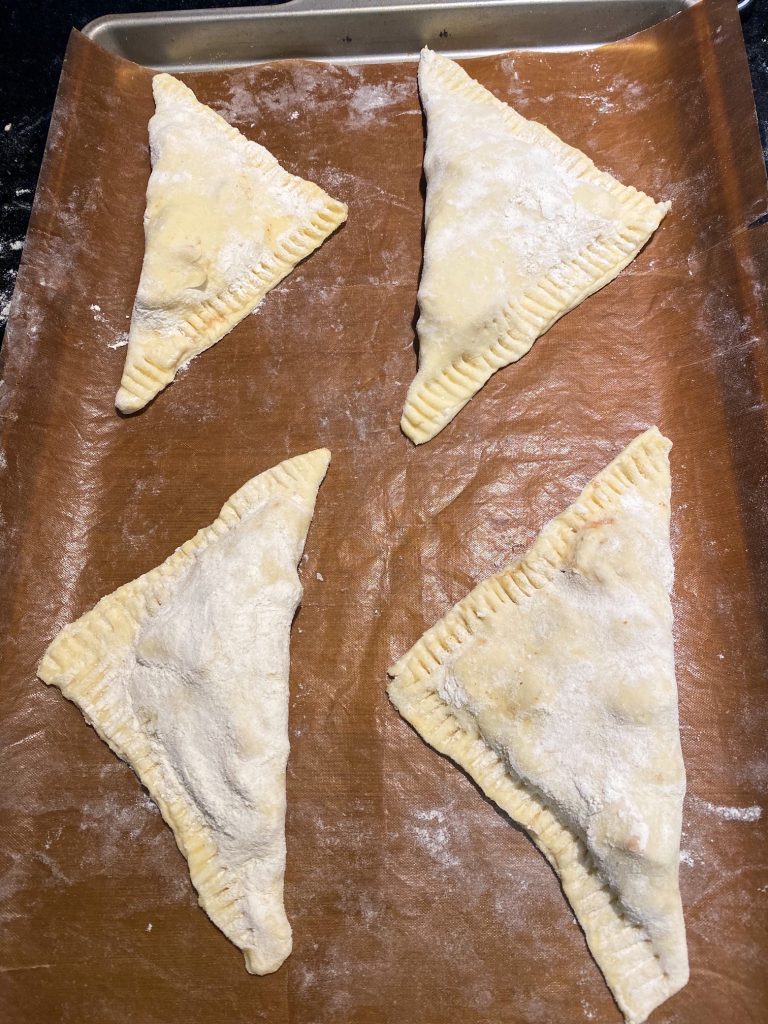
(520, 228)
(184, 673)
(224, 223)
(553, 685)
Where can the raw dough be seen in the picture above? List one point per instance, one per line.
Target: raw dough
(553, 686)
(184, 673)
(520, 228)
(223, 224)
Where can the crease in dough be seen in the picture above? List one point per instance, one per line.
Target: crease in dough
(224, 223)
(553, 685)
(184, 674)
(520, 228)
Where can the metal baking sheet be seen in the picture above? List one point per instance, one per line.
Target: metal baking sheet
(366, 32)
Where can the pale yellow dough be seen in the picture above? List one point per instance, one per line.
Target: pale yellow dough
(184, 673)
(520, 228)
(224, 223)
(553, 686)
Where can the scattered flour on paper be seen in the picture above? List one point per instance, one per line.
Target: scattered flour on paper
(588, 1010)
(306, 91)
(433, 837)
(119, 338)
(247, 101)
(124, 837)
(374, 102)
(753, 813)
(611, 92)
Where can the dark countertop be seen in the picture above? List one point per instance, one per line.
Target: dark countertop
(35, 40)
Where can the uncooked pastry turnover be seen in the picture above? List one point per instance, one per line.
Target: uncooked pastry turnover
(520, 227)
(224, 222)
(553, 686)
(184, 673)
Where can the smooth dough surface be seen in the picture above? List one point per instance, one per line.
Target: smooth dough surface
(224, 223)
(553, 685)
(184, 673)
(520, 228)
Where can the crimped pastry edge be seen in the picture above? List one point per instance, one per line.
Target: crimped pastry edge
(81, 657)
(623, 949)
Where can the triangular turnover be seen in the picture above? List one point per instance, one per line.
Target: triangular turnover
(184, 674)
(224, 223)
(520, 228)
(553, 686)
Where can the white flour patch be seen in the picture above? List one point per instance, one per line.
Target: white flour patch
(597, 100)
(433, 837)
(148, 803)
(369, 103)
(753, 813)
(306, 977)
(588, 1010)
(433, 815)
(246, 102)
(119, 339)
(242, 105)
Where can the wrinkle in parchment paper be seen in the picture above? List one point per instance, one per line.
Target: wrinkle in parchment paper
(412, 899)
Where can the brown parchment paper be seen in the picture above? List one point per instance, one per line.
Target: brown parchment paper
(412, 899)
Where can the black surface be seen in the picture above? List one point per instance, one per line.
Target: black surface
(33, 37)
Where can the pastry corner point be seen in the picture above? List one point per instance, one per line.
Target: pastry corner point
(46, 670)
(127, 402)
(653, 435)
(319, 458)
(259, 963)
(164, 84)
(414, 433)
